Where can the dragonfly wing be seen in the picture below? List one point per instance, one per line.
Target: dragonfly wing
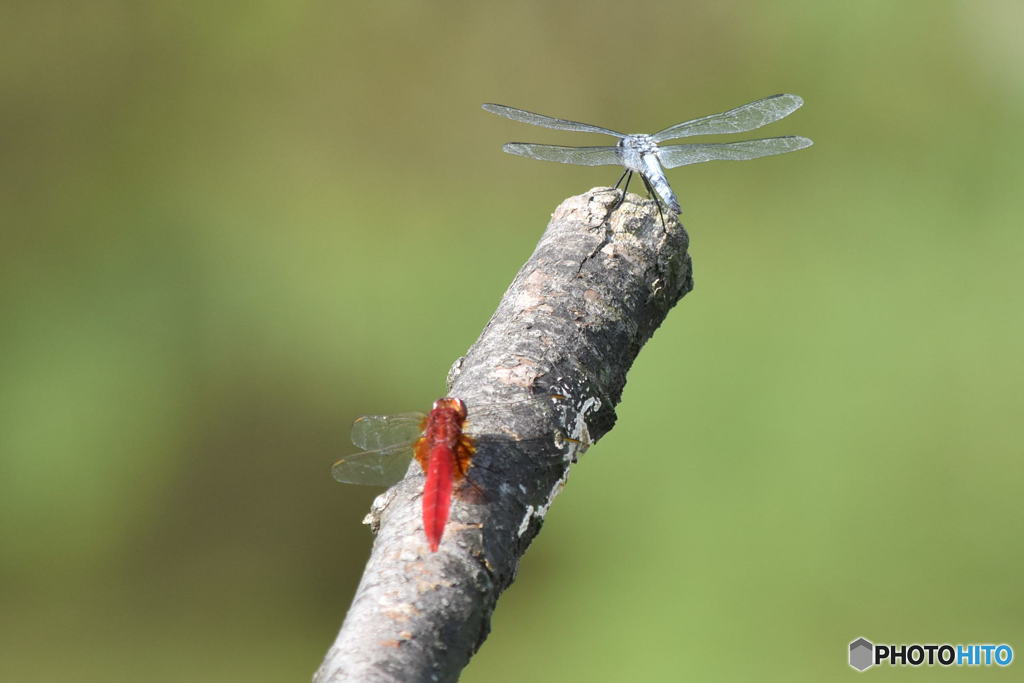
(381, 467)
(672, 156)
(738, 120)
(547, 121)
(581, 156)
(374, 432)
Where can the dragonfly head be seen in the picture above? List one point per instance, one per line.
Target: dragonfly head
(639, 142)
(451, 404)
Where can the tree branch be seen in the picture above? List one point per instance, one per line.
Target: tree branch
(569, 327)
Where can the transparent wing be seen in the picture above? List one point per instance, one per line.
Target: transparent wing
(381, 467)
(672, 156)
(581, 156)
(547, 121)
(374, 432)
(738, 120)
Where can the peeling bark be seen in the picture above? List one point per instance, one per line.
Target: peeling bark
(550, 367)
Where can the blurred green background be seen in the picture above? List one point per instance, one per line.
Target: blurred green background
(229, 229)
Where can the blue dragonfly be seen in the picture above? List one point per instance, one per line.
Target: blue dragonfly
(640, 153)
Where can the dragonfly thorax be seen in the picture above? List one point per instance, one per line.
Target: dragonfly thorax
(632, 149)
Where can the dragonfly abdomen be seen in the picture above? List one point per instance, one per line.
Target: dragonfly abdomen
(437, 493)
(654, 174)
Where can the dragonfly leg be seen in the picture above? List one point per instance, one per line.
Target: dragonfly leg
(624, 174)
(657, 202)
(628, 175)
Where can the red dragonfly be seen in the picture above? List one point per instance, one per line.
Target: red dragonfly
(437, 442)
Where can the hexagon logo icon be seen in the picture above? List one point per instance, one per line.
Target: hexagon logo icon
(862, 654)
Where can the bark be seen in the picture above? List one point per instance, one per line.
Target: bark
(541, 384)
